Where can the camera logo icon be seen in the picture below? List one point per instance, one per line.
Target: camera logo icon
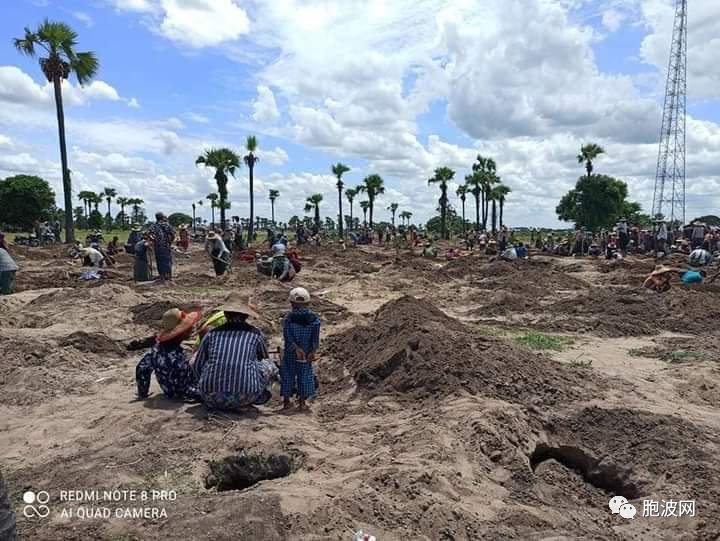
(35, 504)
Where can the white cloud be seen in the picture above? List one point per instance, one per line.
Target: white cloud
(612, 19)
(274, 157)
(203, 23)
(265, 108)
(703, 43)
(195, 117)
(84, 18)
(133, 5)
(5, 141)
(133, 103)
(18, 87)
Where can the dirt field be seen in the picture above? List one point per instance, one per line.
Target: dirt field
(440, 415)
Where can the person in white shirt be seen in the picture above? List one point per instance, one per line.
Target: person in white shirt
(91, 257)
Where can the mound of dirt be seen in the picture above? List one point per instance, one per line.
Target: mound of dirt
(532, 277)
(412, 348)
(273, 303)
(150, 313)
(94, 342)
(627, 311)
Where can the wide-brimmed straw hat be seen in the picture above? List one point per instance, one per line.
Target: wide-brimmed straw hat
(234, 303)
(662, 269)
(175, 323)
(212, 235)
(135, 228)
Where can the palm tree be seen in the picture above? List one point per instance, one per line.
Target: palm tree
(96, 200)
(350, 193)
(393, 209)
(485, 169)
(85, 196)
(59, 40)
(442, 176)
(474, 186)
(373, 186)
(313, 203)
(500, 192)
(136, 202)
(405, 215)
(365, 205)
(122, 201)
(587, 154)
(212, 197)
(461, 192)
(339, 169)
(250, 160)
(224, 161)
(274, 194)
(109, 193)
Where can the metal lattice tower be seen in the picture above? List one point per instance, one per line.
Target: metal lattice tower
(669, 196)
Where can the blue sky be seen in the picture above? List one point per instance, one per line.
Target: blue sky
(396, 88)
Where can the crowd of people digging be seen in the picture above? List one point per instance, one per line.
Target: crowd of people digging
(230, 367)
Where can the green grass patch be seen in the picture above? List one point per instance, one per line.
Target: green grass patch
(541, 341)
(671, 357)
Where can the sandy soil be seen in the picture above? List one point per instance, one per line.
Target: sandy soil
(432, 422)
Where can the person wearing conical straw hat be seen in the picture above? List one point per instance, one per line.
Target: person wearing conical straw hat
(167, 358)
(232, 364)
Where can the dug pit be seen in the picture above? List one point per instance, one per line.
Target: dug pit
(600, 473)
(242, 471)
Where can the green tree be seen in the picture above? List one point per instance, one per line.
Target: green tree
(442, 176)
(500, 192)
(213, 198)
(597, 201)
(225, 162)
(339, 169)
(136, 204)
(373, 186)
(80, 220)
(109, 193)
(485, 169)
(58, 41)
(178, 218)
(95, 221)
(461, 192)
(709, 219)
(24, 199)
(365, 205)
(405, 216)
(588, 153)
(250, 160)
(393, 209)
(474, 186)
(313, 203)
(86, 196)
(350, 194)
(274, 194)
(123, 202)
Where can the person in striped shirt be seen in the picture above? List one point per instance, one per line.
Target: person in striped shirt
(232, 363)
(301, 332)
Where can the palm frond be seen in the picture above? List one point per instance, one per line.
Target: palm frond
(85, 66)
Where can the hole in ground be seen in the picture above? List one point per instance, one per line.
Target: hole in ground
(602, 474)
(246, 469)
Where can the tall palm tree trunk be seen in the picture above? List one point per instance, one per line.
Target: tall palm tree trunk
(212, 217)
(67, 185)
(272, 210)
(340, 216)
(494, 222)
(463, 211)
(477, 212)
(351, 215)
(317, 217)
(372, 204)
(502, 204)
(443, 212)
(251, 166)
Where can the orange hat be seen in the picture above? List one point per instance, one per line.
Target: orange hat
(175, 323)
